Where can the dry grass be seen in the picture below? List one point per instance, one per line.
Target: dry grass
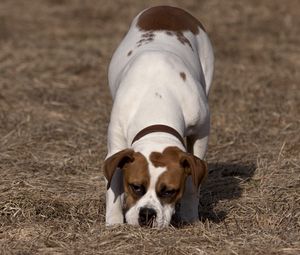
(55, 106)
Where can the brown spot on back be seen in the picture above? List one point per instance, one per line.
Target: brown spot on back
(168, 18)
(135, 172)
(146, 38)
(129, 53)
(148, 34)
(181, 38)
(183, 75)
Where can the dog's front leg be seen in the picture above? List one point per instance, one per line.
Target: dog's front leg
(197, 145)
(114, 200)
(189, 203)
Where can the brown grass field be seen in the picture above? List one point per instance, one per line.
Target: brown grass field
(55, 107)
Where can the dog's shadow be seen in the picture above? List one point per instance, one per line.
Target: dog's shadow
(222, 183)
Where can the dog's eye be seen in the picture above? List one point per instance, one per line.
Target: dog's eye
(165, 192)
(138, 189)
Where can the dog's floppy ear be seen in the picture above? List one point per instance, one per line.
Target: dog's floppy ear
(195, 167)
(117, 160)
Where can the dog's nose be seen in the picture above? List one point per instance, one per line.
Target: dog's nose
(146, 216)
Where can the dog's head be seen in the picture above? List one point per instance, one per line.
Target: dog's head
(153, 184)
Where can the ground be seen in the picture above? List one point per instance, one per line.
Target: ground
(54, 112)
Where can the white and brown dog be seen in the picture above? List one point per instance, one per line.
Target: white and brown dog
(159, 79)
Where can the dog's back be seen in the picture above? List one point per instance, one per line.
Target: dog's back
(169, 31)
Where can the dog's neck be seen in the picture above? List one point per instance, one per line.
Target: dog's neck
(156, 141)
(158, 128)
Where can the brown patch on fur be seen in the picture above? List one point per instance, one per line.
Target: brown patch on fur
(146, 38)
(149, 34)
(117, 160)
(181, 38)
(168, 18)
(183, 75)
(179, 165)
(175, 176)
(129, 53)
(172, 179)
(135, 172)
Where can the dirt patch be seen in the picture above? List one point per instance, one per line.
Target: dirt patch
(54, 111)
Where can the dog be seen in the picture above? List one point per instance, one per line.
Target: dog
(159, 79)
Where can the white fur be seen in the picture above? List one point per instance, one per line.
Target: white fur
(147, 89)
